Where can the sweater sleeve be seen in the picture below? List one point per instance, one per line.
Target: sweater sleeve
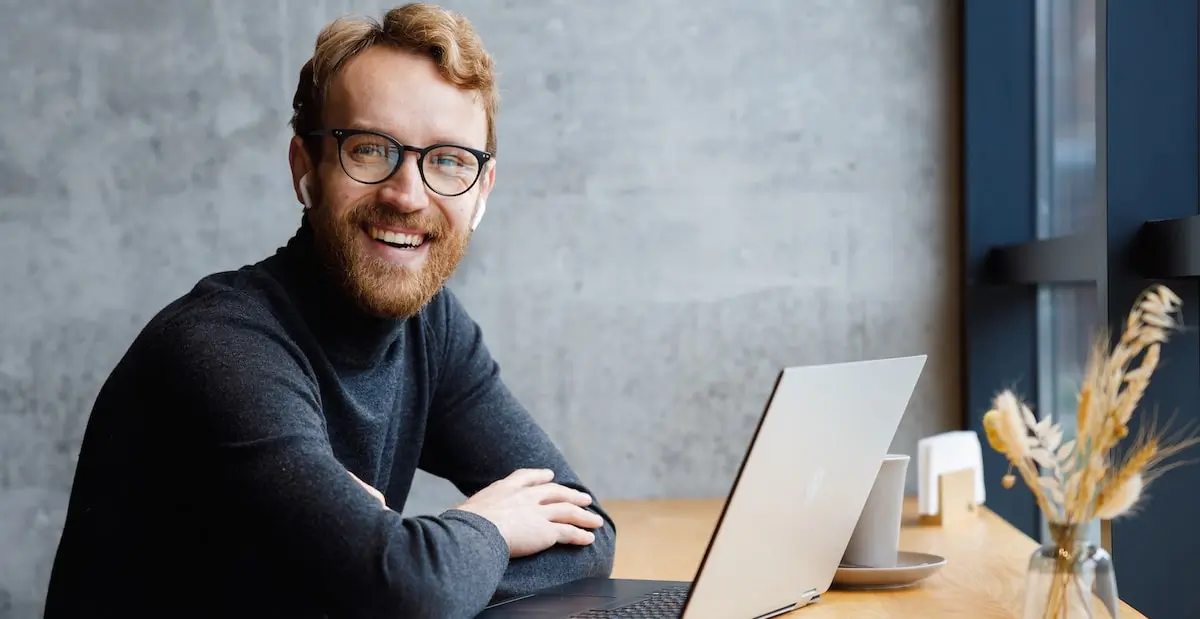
(251, 397)
(478, 433)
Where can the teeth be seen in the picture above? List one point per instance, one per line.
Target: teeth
(412, 240)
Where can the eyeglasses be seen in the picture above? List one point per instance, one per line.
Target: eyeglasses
(371, 158)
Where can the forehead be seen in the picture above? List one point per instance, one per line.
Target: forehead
(402, 94)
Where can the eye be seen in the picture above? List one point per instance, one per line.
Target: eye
(368, 148)
(371, 150)
(446, 160)
(452, 159)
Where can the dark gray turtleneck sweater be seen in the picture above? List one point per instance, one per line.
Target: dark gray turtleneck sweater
(212, 481)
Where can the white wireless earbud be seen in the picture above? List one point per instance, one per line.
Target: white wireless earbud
(478, 214)
(304, 192)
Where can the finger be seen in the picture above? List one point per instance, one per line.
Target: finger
(566, 513)
(557, 493)
(568, 534)
(530, 477)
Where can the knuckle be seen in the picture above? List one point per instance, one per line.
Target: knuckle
(567, 515)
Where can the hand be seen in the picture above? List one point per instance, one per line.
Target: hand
(533, 514)
(375, 493)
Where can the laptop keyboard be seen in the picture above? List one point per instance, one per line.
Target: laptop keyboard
(662, 604)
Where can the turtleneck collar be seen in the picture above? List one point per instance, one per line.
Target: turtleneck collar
(348, 335)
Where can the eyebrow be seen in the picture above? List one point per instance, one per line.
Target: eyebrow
(440, 139)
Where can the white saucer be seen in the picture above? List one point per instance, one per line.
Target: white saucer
(911, 568)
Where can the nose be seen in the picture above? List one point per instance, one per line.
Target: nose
(405, 191)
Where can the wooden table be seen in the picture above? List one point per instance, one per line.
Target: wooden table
(984, 576)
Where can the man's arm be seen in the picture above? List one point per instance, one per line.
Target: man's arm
(244, 388)
(478, 432)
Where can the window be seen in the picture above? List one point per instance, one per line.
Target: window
(1079, 191)
(1067, 197)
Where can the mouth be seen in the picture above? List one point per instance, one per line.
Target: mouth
(398, 240)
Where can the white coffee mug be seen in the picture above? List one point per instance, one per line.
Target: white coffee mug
(876, 538)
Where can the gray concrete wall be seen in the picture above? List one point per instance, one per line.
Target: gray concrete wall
(800, 208)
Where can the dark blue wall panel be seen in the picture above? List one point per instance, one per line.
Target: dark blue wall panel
(1152, 174)
(999, 323)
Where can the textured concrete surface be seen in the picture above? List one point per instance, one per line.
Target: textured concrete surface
(690, 195)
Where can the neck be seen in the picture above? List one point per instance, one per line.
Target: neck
(348, 334)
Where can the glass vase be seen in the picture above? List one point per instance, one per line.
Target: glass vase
(1070, 578)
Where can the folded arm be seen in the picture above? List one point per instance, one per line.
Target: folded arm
(246, 389)
(478, 433)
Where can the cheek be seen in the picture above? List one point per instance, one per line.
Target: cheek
(458, 211)
(341, 201)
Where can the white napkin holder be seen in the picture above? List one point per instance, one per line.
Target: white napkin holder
(949, 476)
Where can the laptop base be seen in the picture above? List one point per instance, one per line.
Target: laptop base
(580, 596)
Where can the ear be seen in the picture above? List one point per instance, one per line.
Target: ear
(303, 171)
(486, 181)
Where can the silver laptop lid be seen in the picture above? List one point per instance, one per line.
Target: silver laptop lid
(803, 483)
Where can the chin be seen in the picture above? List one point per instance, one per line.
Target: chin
(389, 291)
(391, 299)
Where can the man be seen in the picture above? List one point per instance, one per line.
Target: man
(230, 463)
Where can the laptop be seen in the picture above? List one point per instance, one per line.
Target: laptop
(787, 520)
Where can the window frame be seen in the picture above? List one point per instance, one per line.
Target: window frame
(1147, 230)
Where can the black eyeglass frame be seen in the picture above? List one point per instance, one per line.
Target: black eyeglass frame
(483, 157)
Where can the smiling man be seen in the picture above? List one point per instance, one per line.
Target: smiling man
(250, 454)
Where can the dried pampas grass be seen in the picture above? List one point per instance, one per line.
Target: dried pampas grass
(1078, 480)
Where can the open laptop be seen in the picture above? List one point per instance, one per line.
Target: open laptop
(788, 518)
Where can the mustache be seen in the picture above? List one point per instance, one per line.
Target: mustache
(428, 220)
